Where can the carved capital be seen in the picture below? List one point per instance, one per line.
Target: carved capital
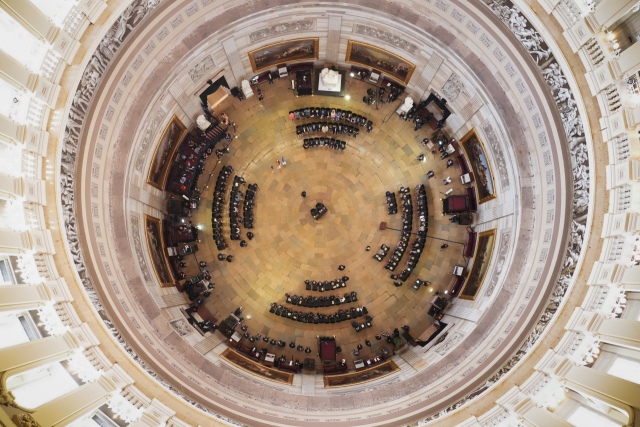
(7, 398)
(25, 420)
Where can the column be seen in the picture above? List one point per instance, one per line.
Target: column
(16, 74)
(155, 415)
(521, 405)
(14, 242)
(27, 136)
(38, 24)
(625, 333)
(608, 12)
(628, 62)
(615, 276)
(33, 190)
(21, 77)
(333, 39)
(10, 186)
(616, 392)
(24, 297)
(39, 352)
(73, 405)
(231, 49)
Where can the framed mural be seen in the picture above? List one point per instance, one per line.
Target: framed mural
(373, 57)
(481, 260)
(166, 148)
(482, 173)
(155, 245)
(256, 368)
(289, 51)
(366, 375)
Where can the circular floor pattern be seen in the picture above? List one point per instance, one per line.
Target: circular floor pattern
(290, 247)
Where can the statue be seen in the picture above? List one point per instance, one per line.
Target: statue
(330, 80)
(246, 89)
(408, 104)
(202, 122)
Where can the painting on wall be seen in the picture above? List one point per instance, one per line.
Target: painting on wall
(480, 166)
(279, 53)
(165, 150)
(481, 260)
(366, 375)
(256, 368)
(155, 244)
(381, 60)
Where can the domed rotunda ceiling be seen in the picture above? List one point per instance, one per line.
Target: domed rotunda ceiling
(501, 77)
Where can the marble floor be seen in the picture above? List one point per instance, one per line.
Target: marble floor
(290, 247)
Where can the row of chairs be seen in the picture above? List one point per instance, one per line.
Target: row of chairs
(379, 256)
(324, 142)
(234, 203)
(249, 203)
(392, 204)
(330, 113)
(418, 245)
(325, 127)
(315, 318)
(312, 285)
(407, 224)
(311, 301)
(216, 208)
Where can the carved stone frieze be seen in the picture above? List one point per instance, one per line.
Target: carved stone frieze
(285, 27)
(387, 38)
(452, 88)
(201, 68)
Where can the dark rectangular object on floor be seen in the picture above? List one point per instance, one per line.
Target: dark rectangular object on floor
(228, 326)
(454, 204)
(174, 207)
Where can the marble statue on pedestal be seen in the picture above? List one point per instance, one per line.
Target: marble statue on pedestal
(246, 89)
(408, 103)
(202, 122)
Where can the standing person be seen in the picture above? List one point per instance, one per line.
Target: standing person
(269, 78)
(449, 163)
(430, 174)
(304, 194)
(421, 158)
(272, 169)
(447, 181)
(284, 163)
(278, 163)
